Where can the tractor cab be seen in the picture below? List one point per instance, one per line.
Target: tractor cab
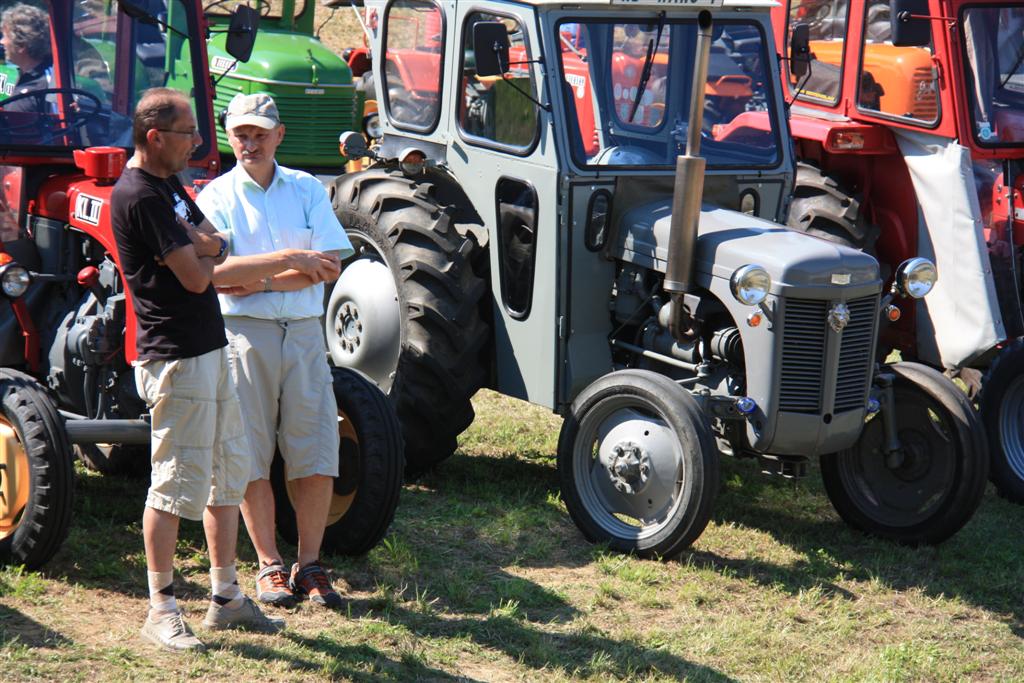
(86, 69)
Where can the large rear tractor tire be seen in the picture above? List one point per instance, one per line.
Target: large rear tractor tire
(369, 477)
(407, 309)
(638, 465)
(931, 488)
(36, 473)
(1001, 403)
(823, 207)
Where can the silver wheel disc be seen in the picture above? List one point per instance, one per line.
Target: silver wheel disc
(364, 321)
(628, 468)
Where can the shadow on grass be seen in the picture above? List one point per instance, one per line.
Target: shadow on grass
(581, 654)
(462, 530)
(341, 661)
(18, 629)
(982, 564)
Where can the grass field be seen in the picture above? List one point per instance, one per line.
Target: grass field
(483, 577)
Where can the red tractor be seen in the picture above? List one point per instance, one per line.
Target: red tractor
(67, 337)
(908, 124)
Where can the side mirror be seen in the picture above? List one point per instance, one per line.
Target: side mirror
(800, 50)
(352, 145)
(908, 29)
(490, 48)
(242, 33)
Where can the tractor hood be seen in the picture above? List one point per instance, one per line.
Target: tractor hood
(728, 239)
(286, 58)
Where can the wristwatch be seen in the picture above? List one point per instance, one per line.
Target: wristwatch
(223, 247)
(267, 281)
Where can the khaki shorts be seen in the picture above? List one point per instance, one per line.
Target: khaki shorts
(285, 387)
(199, 449)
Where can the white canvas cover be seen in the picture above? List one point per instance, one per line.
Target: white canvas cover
(960, 318)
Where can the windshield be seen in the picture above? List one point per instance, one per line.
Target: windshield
(994, 46)
(85, 95)
(627, 88)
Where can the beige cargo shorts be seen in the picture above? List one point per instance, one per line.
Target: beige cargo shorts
(200, 452)
(287, 395)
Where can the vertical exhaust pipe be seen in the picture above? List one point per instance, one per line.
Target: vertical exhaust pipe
(688, 192)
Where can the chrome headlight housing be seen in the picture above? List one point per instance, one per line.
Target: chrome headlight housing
(372, 128)
(750, 284)
(915, 277)
(14, 279)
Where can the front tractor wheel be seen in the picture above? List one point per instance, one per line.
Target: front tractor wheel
(36, 473)
(1001, 404)
(637, 464)
(408, 309)
(369, 477)
(927, 490)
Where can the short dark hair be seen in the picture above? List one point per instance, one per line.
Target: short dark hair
(157, 108)
(29, 29)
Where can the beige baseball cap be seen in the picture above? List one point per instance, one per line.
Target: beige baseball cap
(252, 110)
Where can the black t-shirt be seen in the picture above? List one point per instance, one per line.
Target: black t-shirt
(31, 81)
(173, 322)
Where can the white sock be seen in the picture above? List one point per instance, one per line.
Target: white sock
(226, 592)
(161, 591)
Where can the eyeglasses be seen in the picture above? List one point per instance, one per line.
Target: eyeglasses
(190, 133)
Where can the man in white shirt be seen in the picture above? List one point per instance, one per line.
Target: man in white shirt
(285, 242)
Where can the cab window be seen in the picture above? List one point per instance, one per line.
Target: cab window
(496, 109)
(826, 23)
(895, 81)
(413, 52)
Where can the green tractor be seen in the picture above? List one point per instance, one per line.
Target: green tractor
(312, 86)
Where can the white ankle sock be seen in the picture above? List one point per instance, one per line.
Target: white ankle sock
(161, 591)
(226, 592)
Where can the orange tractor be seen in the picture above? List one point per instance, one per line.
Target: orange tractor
(908, 124)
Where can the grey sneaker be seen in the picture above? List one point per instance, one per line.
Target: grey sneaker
(169, 631)
(247, 617)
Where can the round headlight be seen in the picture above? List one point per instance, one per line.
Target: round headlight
(372, 128)
(750, 284)
(15, 280)
(915, 277)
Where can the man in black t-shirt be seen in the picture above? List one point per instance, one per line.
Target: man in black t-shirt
(201, 457)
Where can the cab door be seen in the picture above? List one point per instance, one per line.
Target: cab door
(502, 151)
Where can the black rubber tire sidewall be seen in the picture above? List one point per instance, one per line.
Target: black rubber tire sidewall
(47, 517)
(378, 473)
(681, 412)
(970, 468)
(1006, 367)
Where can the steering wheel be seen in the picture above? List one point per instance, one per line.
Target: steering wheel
(77, 115)
(264, 7)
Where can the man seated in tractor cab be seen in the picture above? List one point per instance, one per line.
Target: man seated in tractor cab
(26, 44)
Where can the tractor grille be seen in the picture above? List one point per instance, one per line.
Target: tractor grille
(807, 372)
(926, 103)
(855, 354)
(313, 122)
(803, 356)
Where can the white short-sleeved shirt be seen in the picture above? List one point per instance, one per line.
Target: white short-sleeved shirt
(294, 212)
